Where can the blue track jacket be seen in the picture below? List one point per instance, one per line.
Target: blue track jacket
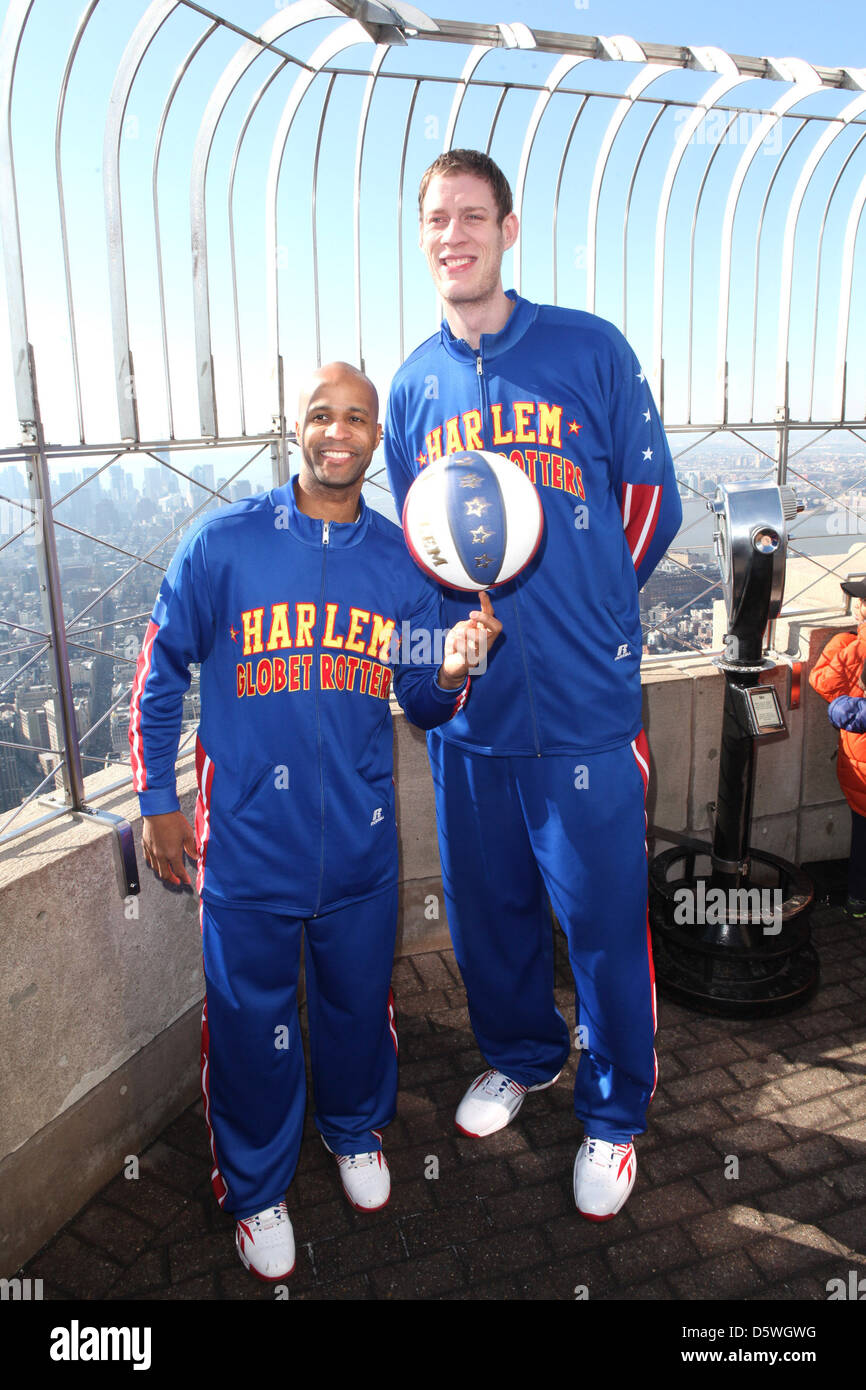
(295, 622)
(561, 394)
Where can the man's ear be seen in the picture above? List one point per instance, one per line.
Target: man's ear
(379, 433)
(510, 228)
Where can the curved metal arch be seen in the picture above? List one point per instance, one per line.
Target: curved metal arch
(10, 44)
(566, 147)
(830, 133)
(662, 111)
(253, 107)
(381, 53)
(463, 81)
(758, 245)
(408, 125)
(64, 238)
(492, 131)
(157, 150)
(517, 34)
(620, 47)
(345, 37)
(280, 23)
(806, 81)
(830, 196)
(332, 77)
(713, 60)
(845, 282)
(561, 70)
(124, 377)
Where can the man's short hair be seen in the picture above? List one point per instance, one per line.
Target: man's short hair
(470, 162)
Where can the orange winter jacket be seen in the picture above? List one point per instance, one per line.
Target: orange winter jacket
(837, 672)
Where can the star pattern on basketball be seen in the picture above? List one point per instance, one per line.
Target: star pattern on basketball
(476, 506)
(461, 509)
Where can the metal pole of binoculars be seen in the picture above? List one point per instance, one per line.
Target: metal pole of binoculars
(735, 940)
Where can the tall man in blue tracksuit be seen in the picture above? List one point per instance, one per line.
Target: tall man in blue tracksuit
(541, 778)
(293, 602)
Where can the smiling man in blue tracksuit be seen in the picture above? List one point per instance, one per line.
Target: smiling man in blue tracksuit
(293, 602)
(541, 778)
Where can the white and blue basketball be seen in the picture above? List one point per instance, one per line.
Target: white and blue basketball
(472, 520)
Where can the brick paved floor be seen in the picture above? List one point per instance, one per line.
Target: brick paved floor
(781, 1103)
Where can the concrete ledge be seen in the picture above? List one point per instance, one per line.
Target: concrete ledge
(51, 1176)
(90, 978)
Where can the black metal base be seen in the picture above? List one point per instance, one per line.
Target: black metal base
(734, 963)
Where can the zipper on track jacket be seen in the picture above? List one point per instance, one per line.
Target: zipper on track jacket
(485, 415)
(326, 527)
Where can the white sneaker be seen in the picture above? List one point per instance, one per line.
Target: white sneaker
(366, 1179)
(604, 1176)
(266, 1243)
(492, 1102)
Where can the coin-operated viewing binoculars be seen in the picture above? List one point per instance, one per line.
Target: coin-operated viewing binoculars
(735, 940)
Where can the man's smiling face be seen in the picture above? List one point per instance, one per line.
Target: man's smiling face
(338, 431)
(463, 239)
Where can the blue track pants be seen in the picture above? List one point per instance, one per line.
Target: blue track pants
(253, 1079)
(513, 832)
